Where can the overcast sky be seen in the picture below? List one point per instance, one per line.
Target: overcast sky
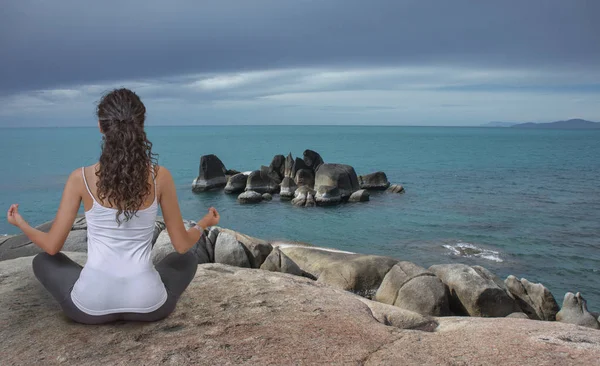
(302, 61)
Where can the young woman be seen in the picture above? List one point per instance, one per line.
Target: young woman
(120, 195)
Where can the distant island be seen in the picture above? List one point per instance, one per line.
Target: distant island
(572, 124)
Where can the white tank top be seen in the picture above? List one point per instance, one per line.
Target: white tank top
(119, 276)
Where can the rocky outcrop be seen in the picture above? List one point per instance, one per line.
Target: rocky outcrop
(299, 164)
(250, 197)
(534, 299)
(475, 291)
(288, 171)
(305, 177)
(574, 311)
(396, 188)
(229, 251)
(211, 174)
(312, 159)
(304, 197)
(414, 288)
(262, 181)
(328, 196)
(360, 196)
(279, 262)
(288, 189)
(278, 166)
(267, 197)
(337, 175)
(227, 313)
(236, 184)
(374, 181)
(257, 250)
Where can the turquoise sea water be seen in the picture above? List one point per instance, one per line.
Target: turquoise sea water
(522, 202)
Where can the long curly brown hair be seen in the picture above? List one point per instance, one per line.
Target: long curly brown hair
(127, 157)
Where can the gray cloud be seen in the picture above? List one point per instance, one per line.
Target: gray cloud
(56, 44)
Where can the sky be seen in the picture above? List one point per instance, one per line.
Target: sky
(302, 62)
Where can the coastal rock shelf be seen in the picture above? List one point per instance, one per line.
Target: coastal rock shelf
(300, 304)
(306, 182)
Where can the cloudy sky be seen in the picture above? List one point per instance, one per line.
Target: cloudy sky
(373, 62)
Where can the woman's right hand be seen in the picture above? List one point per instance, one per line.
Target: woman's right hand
(210, 219)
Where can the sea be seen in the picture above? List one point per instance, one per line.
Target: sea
(520, 202)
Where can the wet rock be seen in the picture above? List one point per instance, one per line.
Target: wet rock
(305, 177)
(229, 251)
(374, 181)
(302, 195)
(574, 311)
(534, 299)
(279, 262)
(310, 200)
(328, 196)
(250, 197)
(211, 174)
(289, 171)
(337, 175)
(396, 188)
(360, 196)
(299, 199)
(267, 197)
(236, 184)
(288, 189)
(312, 160)
(261, 181)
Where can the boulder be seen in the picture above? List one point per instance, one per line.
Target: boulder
(310, 200)
(261, 181)
(163, 246)
(299, 164)
(159, 226)
(279, 262)
(396, 188)
(211, 174)
(231, 172)
(250, 197)
(278, 166)
(413, 288)
(337, 175)
(229, 251)
(312, 160)
(361, 274)
(474, 292)
(305, 177)
(267, 197)
(574, 311)
(360, 196)
(299, 199)
(289, 171)
(80, 223)
(374, 181)
(236, 183)
(534, 299)
(288, 189)
(328, 196)
(518, 315)
(257, 250)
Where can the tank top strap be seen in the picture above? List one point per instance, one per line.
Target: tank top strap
(86, 183)
(153, 171)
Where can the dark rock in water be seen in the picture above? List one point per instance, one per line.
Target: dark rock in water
(360, 196)
(328, 196)
(250, 197)
(299, 199)
(304, 196)
(288, 189)
(310, 200)
(574, 311)
(270, 174)
(474, 291)
(211, 174)
(236, 183)
(289, 171)
(267, 197)
(533, 298)
(374, 181)
(260, 181)
(396, 188)
(338, 175)
(279, 262)
(299, 165)
(229, 251)
(412, 287)
(312, 160)
(305, 177)
(278, 166)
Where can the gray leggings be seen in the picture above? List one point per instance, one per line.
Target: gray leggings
(58, 273)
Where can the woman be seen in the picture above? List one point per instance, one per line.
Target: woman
(120, 195)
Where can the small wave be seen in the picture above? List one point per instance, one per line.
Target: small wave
(468, 250)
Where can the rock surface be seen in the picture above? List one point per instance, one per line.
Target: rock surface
(278, 166)
(574, 311)
(305, 177)
(337, 175)
(312, 159)
(360, 196)
(239, 316)
(374, 181)
(288, 189)
(396, 188)
(267, 197)
(279, 262)
(534, 299)
(229, 251)
(236, 183)
(474, 291)
(328, 196)
(256, 249)
(250, 197)
(211, 174)
(261, 181)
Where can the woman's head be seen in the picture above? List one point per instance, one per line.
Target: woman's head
(127, 156)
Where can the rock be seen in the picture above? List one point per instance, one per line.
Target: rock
(279, 262)
(257, 250)
(267, 197)
(361, 274)
(289, 171)
(411, 287)
(231, 172)
(288, 189)
(229, 251)
(211, 174)
(474, 292)
(20, 246)
(533, 298)
(312, 160)
(299, 165)
(360, 196)
(328, 196)
(518, 315)
(374, 181)
(337, 175)
(260, 181)
(310, 200)
(163, 246)
(250, 197)
(302, 195)
(80, 223)
(396, 188)
(305, 177)
(299, 199)
(278, 166)
(159, 226)
(236, 183)
(574, 311)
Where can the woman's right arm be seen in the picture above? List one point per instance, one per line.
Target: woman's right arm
(181, 239)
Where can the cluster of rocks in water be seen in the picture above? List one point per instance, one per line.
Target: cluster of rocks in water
(305, 182)
(439, 291)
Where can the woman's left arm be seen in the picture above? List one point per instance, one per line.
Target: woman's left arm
(53, 241)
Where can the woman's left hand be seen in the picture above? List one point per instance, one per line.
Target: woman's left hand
(14, 217)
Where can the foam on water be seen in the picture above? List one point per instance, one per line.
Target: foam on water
(468, 250)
